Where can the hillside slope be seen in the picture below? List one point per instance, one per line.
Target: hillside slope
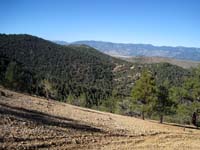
(78, 74)
(55, 71)
(34, 123)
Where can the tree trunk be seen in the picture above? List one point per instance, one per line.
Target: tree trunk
(143, 115)
(161, 118)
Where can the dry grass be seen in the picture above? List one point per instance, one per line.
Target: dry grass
(35, 123)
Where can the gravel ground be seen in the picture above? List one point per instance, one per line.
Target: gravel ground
(28, 122)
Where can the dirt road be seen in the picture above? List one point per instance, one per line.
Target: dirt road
(28, 122)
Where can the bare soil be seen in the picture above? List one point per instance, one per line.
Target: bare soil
(28, 122)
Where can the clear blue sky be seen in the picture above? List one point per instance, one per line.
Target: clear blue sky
(158, 22)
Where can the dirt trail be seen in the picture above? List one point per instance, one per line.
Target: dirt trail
(28, 122)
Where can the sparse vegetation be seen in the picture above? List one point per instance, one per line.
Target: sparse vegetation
(36, 123)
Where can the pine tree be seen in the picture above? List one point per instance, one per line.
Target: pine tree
(10, 73)
(144, 92)
(163, 105)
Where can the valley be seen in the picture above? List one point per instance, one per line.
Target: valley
(186, 64)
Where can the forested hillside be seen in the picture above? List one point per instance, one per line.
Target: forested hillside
(126, 75)
(55, 71)
(76, 74)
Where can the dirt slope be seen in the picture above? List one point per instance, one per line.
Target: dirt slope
(34, 123)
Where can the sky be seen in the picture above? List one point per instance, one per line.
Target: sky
(157, 22)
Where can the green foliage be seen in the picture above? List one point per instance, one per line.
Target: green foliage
(187, 98)
(10, 72)
(192, 86)
(85, 77)
(82, 100)
(144, 91)
(78, 101)
(173, 74)
(70, 99)
(127, 75)
(184, 113)
(109, 105)
(14, 75)
(56, 71)
(177, 94)
(163, 105)
(48, 89)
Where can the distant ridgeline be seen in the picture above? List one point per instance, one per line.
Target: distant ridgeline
(31, 64)
(147, 50)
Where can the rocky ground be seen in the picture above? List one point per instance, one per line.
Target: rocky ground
(28, 122)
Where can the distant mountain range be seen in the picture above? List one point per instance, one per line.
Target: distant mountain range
(120, 49)
(61, 42)
(152, 60)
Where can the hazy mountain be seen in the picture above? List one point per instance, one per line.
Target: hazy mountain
(61, 42)
(119, 49)
(151, 60)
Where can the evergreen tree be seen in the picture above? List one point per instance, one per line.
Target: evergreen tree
(110, 104)
(192, 86)
(144, 92)
(163, 105)
(10, 73)
(81, 100)
(70, 99)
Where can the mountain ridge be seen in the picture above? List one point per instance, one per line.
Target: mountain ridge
(53, 70)
(186, 64)
(149, 50)
(179, 52)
